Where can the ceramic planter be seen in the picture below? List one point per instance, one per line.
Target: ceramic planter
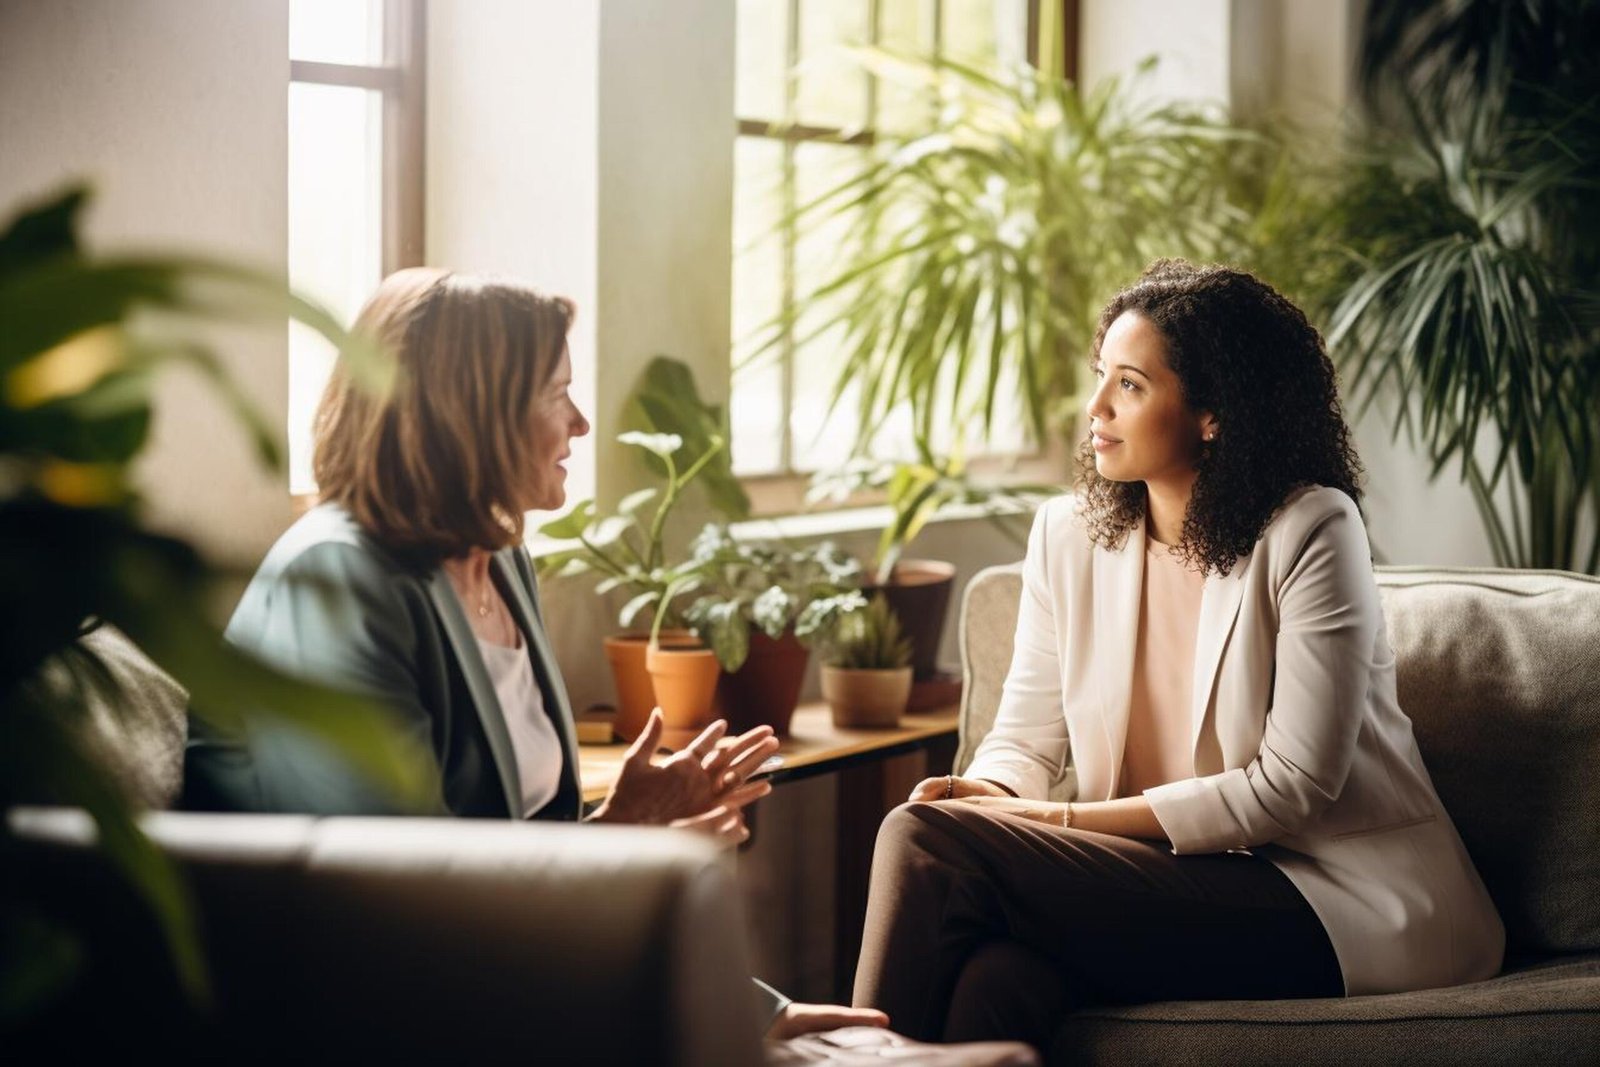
(919, 594)
(685, 682)
(766, 689)
(866, 699)
(635, 692)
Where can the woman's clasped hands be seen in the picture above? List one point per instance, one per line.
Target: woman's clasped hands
(701, 787)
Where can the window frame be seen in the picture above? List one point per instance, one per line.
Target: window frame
(783, 491)
(400, 79)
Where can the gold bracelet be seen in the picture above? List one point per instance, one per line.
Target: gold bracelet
(949, 786)
(1066, 819)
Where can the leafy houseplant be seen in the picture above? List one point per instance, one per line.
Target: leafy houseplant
(683, 676)
(758, 607)
(866, 668)
(1473, 224)
(77, 365)
(982, 247)
(919, 590)
(628, 550)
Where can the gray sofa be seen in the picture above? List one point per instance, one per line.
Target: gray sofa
(358, 939)
(415, 940)
(1500, 673)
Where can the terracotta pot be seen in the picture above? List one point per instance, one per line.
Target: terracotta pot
(871, 699)
(918, 593)
(635, 693)
(766, 689)
(685, 682)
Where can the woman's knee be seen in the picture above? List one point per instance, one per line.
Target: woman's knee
(919, 829)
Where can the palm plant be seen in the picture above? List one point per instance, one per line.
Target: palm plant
(981, 249)
(1472, 219)
(77, 362)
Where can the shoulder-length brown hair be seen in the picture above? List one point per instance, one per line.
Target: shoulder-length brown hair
(1244, 352)
(433, 464)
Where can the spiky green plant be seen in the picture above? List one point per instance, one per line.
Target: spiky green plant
(869, 639)
(982, 247)
(1473, 223)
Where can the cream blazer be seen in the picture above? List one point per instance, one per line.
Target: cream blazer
(1301, 752)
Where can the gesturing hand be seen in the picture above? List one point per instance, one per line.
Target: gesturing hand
(687, 787)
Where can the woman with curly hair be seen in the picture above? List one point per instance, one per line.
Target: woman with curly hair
(1200, 630)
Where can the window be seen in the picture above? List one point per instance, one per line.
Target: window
(355, 174)
(830, 114)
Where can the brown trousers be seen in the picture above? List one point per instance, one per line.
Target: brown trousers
(984, 926)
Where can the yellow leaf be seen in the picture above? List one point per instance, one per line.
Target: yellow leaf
(81, 485)
(67, 369)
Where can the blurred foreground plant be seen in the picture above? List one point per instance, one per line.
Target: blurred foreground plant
(79, 352)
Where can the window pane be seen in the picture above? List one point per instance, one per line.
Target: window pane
(335, 235)
(820, 440)
(757, 406)
(969, 31)
(763, 59)
(906, 28)
(336, 31)
(831, 86)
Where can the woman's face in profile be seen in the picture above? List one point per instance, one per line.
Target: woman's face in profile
(1141, 427)
(556, 420)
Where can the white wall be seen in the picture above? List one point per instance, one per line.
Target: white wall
(1190, 37)
(177, 112)
(588, 148)
(1294, 59)
(513, 159)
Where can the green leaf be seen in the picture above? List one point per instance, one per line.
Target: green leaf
(570, 526)
(630, 504)
(660, 444)
(667, 401)
(723, 627)
(773, 610)
(630, 611)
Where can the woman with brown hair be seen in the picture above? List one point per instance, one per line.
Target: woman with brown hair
(1199, 631)
(408, 582)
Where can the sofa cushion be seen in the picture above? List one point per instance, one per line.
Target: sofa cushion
(1499, 671)
(135, 723)
(1548, 1013)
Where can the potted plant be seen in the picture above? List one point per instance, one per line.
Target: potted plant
(758, 607)
(683, 674)
(918, 590)
(866, 667)
(627, 550)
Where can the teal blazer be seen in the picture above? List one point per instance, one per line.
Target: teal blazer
(332, 605)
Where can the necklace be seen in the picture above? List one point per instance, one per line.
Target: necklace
(483, 605)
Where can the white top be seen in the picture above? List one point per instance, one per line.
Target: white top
(533, 735)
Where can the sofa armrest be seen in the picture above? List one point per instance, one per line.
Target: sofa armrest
(987, 629)
(433, 937)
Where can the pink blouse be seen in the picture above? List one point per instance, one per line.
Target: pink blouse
(1159, 747)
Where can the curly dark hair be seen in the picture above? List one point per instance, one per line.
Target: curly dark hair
(1243, 352)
